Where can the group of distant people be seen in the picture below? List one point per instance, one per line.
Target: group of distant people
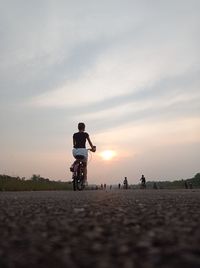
(125, 183)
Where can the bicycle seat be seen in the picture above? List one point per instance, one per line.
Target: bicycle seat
(79, 157)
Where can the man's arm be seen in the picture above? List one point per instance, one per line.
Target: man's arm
(90, 143)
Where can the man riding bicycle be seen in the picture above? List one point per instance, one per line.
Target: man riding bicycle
(79, 144)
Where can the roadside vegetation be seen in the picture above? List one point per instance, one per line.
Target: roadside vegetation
(35, 183)
(38, 183)
(176, 184)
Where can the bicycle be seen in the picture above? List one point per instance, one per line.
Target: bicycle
(78, 172)
(143, 185)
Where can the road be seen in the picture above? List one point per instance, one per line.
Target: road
(114, 228)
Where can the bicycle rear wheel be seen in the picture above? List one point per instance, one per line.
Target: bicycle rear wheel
(75, 184)
(79, 182)
(78, 179)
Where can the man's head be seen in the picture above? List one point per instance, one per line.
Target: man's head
(81, 126)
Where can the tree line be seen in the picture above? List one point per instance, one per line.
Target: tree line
(38, 183)
(35, 183)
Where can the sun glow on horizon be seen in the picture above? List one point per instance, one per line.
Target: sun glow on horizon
(108, 155)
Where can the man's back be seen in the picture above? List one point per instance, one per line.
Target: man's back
(80, 139)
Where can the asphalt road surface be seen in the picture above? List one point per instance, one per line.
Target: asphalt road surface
(117, 228)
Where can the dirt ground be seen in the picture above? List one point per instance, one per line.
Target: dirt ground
(114, 228)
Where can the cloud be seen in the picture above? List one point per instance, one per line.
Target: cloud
(173, 96)
(59, 44)
(160, 133)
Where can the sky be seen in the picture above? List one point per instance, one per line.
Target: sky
(128, 69)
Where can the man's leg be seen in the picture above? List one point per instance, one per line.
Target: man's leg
(73, 166)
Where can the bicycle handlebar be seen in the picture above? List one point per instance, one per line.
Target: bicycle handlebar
(92, 149)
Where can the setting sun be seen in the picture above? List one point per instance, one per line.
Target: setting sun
(108, 154)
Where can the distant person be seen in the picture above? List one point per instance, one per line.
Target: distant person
(190, 185)
(125, 183)
(119, 186)
(155, 186)
(104, 186)
(143, 182)
(110, 187)
(186, 185)
(79, 147)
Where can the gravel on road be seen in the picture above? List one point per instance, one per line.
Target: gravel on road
(115, 228)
